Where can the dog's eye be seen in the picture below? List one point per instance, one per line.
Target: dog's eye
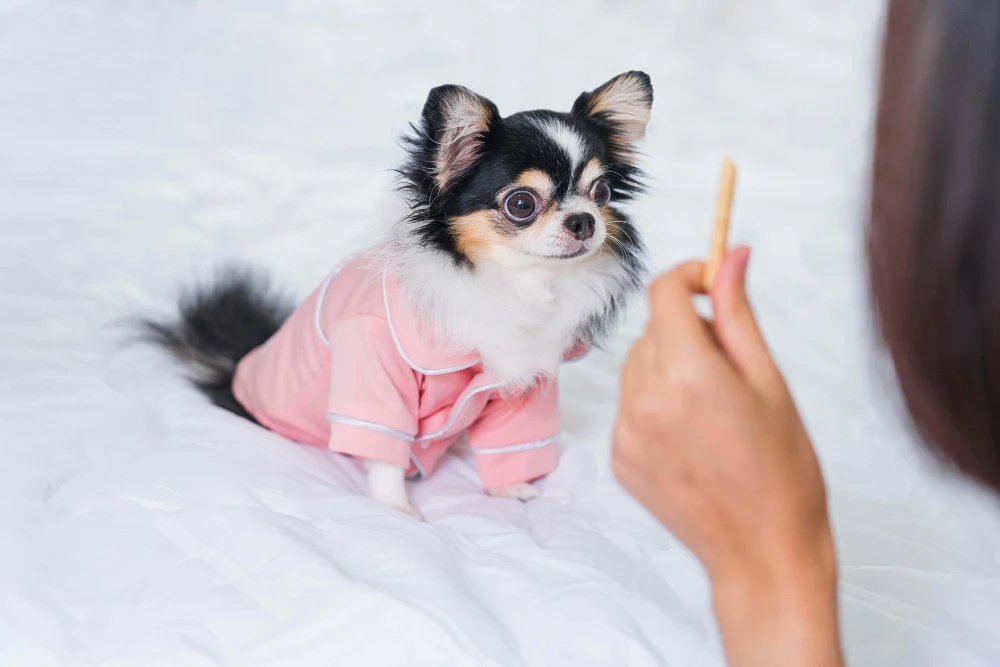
(520, 206)
(600, 192)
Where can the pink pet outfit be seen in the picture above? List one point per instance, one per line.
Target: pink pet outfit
(351, 369)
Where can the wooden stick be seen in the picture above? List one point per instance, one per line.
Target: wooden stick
(723, 206)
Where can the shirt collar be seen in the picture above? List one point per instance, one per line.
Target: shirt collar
(414, 344)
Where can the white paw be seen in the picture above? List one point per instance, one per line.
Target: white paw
(521, 491)
(387, 484)
(408, 509)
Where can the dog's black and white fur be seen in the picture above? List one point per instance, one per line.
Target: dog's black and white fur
(514, 245)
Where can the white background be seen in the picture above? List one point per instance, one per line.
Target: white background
(144, 143)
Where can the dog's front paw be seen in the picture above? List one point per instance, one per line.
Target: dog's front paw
(387, 484)
(407, 508)
(521, 491)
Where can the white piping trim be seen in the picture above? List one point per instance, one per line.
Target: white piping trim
(399, 346)
(318, 316)
(421, 473)
(371, 426)
(510, 449)
(319, 310)
(455, 413)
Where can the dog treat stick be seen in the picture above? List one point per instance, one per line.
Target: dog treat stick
(723, 206)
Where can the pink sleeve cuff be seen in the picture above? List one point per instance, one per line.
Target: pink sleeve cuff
(498, 467)
(369, 440)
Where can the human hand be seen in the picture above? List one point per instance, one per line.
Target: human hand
(709, 439)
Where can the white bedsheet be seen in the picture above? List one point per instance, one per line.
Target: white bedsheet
(143, 143)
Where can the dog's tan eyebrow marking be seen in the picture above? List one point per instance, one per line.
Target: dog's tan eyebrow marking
(591, 172)
(537, 180)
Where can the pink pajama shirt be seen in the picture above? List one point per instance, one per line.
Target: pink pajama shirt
(351, 370)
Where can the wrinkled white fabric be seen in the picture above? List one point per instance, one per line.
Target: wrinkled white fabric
(142, 144)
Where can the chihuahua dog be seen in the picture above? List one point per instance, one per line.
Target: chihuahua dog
(514, 256)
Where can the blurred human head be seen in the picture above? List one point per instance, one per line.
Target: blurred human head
(934, 228)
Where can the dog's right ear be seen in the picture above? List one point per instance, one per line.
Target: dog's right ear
(457, 121)
(620, 108)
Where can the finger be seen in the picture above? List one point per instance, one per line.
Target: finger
(672, 313)
(735, 325)
(639, 359)
(681, 282)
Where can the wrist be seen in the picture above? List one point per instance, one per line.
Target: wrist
(782, 611)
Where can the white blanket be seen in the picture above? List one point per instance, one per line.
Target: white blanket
(144, 143)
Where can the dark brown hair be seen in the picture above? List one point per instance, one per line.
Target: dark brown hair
(934, 230)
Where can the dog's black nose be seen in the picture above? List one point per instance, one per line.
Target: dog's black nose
(580, 225)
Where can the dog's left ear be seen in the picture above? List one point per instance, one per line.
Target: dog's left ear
(457, 121)
(621, 108)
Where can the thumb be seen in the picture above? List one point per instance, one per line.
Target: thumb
(735, 324)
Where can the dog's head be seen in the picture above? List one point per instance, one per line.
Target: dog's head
(538, 186)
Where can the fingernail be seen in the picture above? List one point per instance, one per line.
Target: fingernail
(742, 259)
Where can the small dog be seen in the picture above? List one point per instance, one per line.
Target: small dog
(514, 257)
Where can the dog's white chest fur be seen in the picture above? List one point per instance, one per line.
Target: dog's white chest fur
(520, 316)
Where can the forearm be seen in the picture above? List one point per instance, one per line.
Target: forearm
(783, 613)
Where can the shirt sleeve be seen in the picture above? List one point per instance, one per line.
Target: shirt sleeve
(516, 439)
(373, 404)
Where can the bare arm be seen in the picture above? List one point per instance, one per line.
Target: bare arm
(709, 439)
(787, 616)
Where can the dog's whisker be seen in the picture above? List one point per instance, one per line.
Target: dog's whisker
(618, 242)
(614, 224)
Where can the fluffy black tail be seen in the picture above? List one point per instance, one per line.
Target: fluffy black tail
(218, 325)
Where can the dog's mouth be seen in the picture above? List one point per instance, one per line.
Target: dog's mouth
(580, 252)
